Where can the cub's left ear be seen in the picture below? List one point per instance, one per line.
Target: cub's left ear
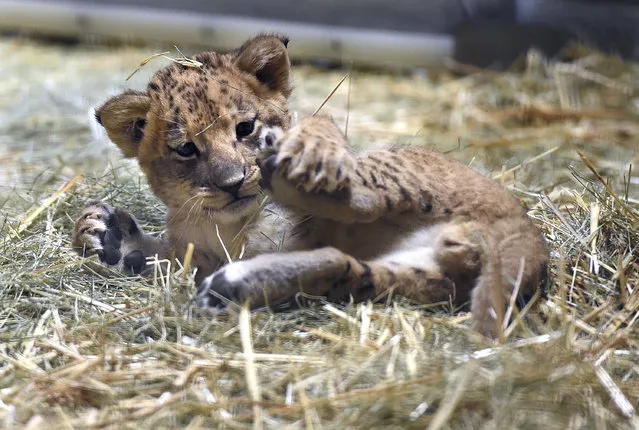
(124, 118)
(266, 58)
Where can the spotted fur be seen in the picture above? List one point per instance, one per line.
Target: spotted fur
(338, 224)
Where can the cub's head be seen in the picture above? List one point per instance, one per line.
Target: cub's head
(195, 130)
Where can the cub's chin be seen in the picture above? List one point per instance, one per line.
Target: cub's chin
(234, 211)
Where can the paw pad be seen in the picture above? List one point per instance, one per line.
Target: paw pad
(104, 231)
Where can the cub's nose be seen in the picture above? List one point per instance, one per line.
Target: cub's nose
(231, 185)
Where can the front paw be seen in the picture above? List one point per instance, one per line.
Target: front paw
(312, 156)
(109, 233)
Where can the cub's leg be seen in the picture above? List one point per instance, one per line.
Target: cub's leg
(311, 169)
(491, 260)
(274, 278)
(116, 237)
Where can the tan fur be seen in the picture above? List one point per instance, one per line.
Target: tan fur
(337, 224)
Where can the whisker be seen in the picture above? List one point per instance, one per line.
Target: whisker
(182, 207)
(188, 216)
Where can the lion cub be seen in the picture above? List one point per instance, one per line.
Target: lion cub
(213, 138)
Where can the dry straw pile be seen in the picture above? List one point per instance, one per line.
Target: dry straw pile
(83, 348)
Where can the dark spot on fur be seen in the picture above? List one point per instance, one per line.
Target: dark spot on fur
(448, 211)
(389, 203)
(392, 177)
(405, 194)
(392, 167)
(364, 181)
(153, 86)
(380, 162)
(419, 272)
(376, 183)
(425, 201)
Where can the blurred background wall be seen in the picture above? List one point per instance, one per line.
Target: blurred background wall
(404, 33)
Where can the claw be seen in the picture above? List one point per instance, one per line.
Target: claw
(306, 160)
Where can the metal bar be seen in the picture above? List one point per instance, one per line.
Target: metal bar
(308, 41)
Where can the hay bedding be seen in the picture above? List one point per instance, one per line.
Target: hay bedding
(81, 348)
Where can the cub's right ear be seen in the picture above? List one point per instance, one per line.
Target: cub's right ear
(124, 118)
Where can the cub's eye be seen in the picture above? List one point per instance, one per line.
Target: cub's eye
(187, 149)
(244, 128)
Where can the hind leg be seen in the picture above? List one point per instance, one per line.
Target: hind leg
(274, 278)
(520, 262)
(490, 259)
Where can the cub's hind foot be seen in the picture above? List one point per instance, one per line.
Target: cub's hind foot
(263, 280)
(114, 235)
(226, 285)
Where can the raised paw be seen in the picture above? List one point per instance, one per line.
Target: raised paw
(112, 235)
(313, 156)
